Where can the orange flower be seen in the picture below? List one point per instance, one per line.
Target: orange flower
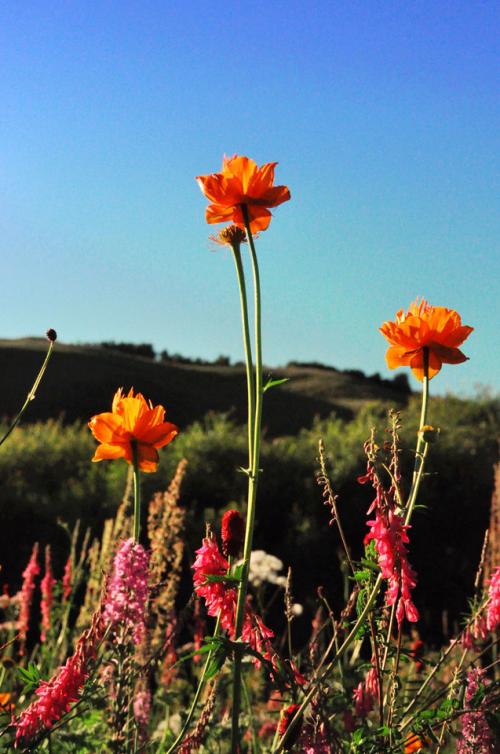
(132, 420)
(414, 743)
(5, 704)
(242, 183)
(438, 329)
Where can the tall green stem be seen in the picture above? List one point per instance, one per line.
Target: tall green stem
(248, 349)
(252, 489)
(422, 445)
(32, 393)
(137, 492)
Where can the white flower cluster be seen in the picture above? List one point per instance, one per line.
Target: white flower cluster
(265, 567)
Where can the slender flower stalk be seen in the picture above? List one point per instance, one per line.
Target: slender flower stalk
(248, 350)
(137, 493)
(252, 486)
(422, 445)
(52, 336)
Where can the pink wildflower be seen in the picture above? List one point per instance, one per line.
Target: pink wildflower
(142, 707)
(493, 614)
(47, 587)
(67, 581)
(366, 694)
(477, 737)
(221, 598)
(389, 532)
(363, 700)
(28, 587)
(127, 590)
(56, 696)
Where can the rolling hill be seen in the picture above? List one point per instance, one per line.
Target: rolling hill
(81, 381)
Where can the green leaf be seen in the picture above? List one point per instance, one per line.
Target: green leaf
(221, 579)
(218, 660)
(238, 571)
(272, 383)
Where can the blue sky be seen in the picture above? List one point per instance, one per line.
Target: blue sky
(383, 117)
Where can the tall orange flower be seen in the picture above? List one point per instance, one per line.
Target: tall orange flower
(435, 328)
(242, 183)
(132, 420)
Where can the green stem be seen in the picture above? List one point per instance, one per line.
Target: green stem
(422, 446)
(248, 349)
(137, 492)
(32, 393)
(196, 698)
(252, 490)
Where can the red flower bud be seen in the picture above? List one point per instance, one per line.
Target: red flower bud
(233, 533)
(51, 335)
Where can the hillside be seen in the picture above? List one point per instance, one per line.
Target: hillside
(81, 381)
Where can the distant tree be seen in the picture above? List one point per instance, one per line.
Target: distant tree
(222, 361)
(136, 349)
(401, 384)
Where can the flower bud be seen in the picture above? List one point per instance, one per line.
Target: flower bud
(429, 433)
(51, 335)
(233, 533)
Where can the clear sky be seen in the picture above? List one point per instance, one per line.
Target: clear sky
(383, 116)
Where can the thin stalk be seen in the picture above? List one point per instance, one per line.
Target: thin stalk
(137, 492)
(197, 695)
(248, 350)
(422, 446)
(252, 489)
(32, 393)
(378, 671)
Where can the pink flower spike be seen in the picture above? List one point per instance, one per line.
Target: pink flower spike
(221, 598)
(127, 591)
(56, 696)
(26, 595)
(67, 581)
(493, 614)
(477, 737)
(47, 587)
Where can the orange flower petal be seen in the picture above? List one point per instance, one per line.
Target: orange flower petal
(435, 328)
(241, 182)
(160, 435)
(259, 217)
(106, 452)
(417, 365)
(447, 355)
(133, 419)
(147, 457)
(217, 213)
(106, 427)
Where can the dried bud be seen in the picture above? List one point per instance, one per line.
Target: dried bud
(231, 235)
(51, 335)
(233, 533)
(286, 718)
